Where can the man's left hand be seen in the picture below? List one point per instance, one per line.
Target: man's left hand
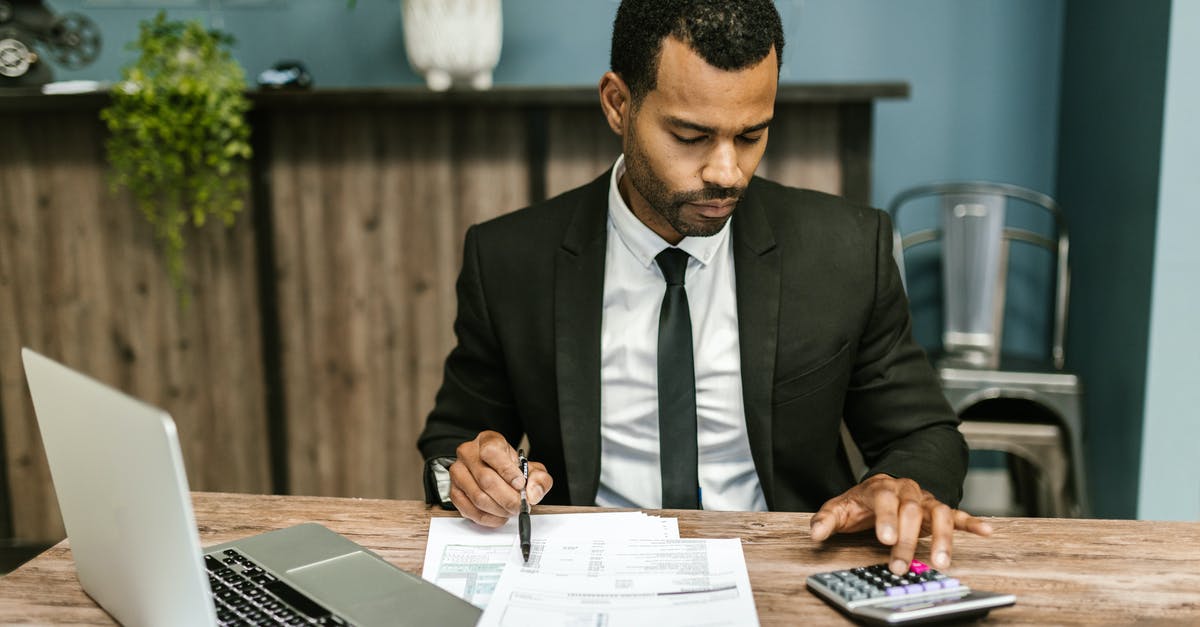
(901, 512)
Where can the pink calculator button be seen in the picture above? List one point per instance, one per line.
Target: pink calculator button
(917, 567)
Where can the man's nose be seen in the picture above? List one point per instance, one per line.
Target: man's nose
(721, 169)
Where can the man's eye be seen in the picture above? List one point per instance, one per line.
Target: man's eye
(689, 140)
(750, 139)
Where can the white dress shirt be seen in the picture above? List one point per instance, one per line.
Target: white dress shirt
(633, 293)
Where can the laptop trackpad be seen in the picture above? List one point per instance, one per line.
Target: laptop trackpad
(369, 591)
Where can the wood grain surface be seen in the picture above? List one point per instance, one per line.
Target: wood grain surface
(802, 148)
(579, 147)
(369, 210)
(1063, 572)
(82, 281)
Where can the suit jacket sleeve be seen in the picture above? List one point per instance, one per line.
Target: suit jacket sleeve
(475, 395)
(894, 406)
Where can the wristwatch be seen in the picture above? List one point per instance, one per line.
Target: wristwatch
(437, 481)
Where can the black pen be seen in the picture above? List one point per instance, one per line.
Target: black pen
(523, 518)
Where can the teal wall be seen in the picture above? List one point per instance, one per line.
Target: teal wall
(1170, 478)
(1110, 133)
(364, 46)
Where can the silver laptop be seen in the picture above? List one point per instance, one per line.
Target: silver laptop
(121, 485)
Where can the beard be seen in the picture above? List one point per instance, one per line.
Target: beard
(669, 204)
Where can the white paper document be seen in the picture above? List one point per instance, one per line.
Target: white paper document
(624, 582)
(467, 559)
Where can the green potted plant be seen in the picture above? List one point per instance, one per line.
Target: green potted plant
(179, 141)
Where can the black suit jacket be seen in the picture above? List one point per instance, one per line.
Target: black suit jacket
(824, 331)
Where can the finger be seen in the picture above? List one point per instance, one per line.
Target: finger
(842, 514)
(496, 452)
(845, 513)
(910, 517)
(540, 483)
(482, 486)
(828, 520)
(470, 512)
(942, 527)
(491, 492)
(885, 502)
(972, 524)
(507, 500)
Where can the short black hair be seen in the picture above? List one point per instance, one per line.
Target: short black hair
(728, 34)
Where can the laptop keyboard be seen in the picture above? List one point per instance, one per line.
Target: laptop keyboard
(245, 594)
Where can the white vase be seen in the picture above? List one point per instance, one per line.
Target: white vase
(448, 41)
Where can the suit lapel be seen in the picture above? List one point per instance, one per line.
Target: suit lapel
(756, 267)
(578, 305)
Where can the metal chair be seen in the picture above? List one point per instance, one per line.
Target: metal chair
(976, 241)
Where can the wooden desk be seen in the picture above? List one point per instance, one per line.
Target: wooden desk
(1062, 571)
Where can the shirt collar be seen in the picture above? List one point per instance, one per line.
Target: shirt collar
(641, 241)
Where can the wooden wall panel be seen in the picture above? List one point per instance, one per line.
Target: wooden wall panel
(857, 120)
(82, 281)
(370, 208)
(802, 148)
(580, 147)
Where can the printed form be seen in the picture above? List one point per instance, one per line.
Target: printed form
(624, 582)
(467, 559)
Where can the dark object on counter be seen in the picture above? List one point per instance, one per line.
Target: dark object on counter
(30, 33)
(285, 75)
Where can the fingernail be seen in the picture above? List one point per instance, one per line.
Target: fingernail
(899, 567)
(986, 528)
(941, 559)
(518, 483)
(887, 534)
(535, 494)
(817, 529)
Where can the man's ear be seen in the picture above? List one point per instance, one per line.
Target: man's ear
(616, 102)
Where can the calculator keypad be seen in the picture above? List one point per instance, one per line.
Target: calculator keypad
(872, 594)
(868, 583)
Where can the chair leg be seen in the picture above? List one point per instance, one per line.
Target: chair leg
(1023, 478)
(1040, 464)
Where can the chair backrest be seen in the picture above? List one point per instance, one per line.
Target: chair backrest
(975, 248)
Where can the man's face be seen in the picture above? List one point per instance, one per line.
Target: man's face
(693, 143)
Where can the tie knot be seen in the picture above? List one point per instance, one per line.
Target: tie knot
(673, 263)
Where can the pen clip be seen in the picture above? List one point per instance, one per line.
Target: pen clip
(523, 462)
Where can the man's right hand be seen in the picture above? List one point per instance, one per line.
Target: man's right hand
(485, 481)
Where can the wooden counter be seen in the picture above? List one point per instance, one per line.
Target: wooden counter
(1063, 572)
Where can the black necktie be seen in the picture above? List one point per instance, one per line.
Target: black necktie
(676, 389)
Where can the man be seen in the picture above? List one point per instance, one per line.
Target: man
(679, 333)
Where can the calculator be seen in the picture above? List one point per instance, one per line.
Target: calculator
(875, 595)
